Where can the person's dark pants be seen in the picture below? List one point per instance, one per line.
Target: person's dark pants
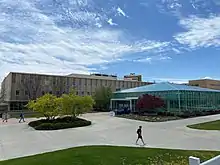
(21, 118)
(5, 120)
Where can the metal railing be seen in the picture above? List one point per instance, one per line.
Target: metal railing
(196, 161)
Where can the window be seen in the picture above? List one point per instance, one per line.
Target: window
(118, 89)
(13, 78)
(82, 93)
(17, 92)
(58, 93)
(43, 93)
(26, 92)
(50, 92)
(22, 79)
(88, 93)
(86, 81)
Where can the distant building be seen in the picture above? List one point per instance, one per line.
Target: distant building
(133, 76)
(206, 83)
(18, 88)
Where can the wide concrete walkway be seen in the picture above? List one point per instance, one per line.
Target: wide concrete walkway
(18, 139)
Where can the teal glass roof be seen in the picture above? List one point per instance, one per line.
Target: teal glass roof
(166, 87)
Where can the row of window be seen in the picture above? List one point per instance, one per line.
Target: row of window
(17, 93)
(58, 93)
(74, 81)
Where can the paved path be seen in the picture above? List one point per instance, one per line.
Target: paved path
(18, 140)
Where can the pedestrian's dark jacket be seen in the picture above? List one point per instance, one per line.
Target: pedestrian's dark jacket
(139, 131)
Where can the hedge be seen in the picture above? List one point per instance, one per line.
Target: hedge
(59, 123)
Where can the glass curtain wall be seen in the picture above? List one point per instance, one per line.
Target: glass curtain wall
(182, 100)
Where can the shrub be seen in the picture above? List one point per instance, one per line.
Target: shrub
(44, 126)
(59, 123)
(149, 103)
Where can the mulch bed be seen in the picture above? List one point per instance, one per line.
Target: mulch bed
(149, 118)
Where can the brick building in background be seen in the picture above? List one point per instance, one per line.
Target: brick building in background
(133, 76)
(18, 88)
(206, 83)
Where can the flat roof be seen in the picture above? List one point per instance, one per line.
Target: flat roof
(166, 87)
(75, 75)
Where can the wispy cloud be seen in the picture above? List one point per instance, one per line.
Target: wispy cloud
(181, 8)
(207, 77)
(171, 80)
(121, 12)
(110, 21)
(200, 32)
(152, 59)
(35, 38)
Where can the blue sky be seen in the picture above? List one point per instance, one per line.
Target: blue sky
(164, 40)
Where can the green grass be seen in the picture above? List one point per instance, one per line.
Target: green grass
(106, 155)
(213, 125)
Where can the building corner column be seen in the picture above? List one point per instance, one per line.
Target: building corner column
(130, 105)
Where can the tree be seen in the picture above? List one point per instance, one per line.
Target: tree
(148, 102)
(75, 105)
(102, 97)
(68, 104)
(48, 105)
(3, 93)
(85, 104)
(31, 85)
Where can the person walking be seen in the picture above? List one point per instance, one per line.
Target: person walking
(5, 117)
(139, 134)
(21, 117)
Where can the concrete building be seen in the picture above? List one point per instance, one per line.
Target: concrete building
(18, 88)
(206, 83)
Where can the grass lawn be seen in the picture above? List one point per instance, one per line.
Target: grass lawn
(213, 125)
(106, 155)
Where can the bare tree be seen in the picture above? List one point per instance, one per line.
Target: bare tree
(60, 86)
(32, 86)
(3, 92)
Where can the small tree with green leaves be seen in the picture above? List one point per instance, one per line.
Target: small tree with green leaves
(48, 105)
(102, 98)
(74, 105)
(83, 104)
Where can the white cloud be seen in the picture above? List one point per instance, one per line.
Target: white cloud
(147, 59)
(177, 51)
(173, 7)
(32, 40)
(193, 6)
(152, 58)
(171, 80)
(121, 12)
(111, 22)
(201, 32)
(207, 77)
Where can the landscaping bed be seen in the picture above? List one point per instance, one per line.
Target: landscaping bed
(59, 123)
(149, 118)
(106, 155)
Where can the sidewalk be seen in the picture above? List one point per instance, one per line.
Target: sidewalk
(19, 140)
